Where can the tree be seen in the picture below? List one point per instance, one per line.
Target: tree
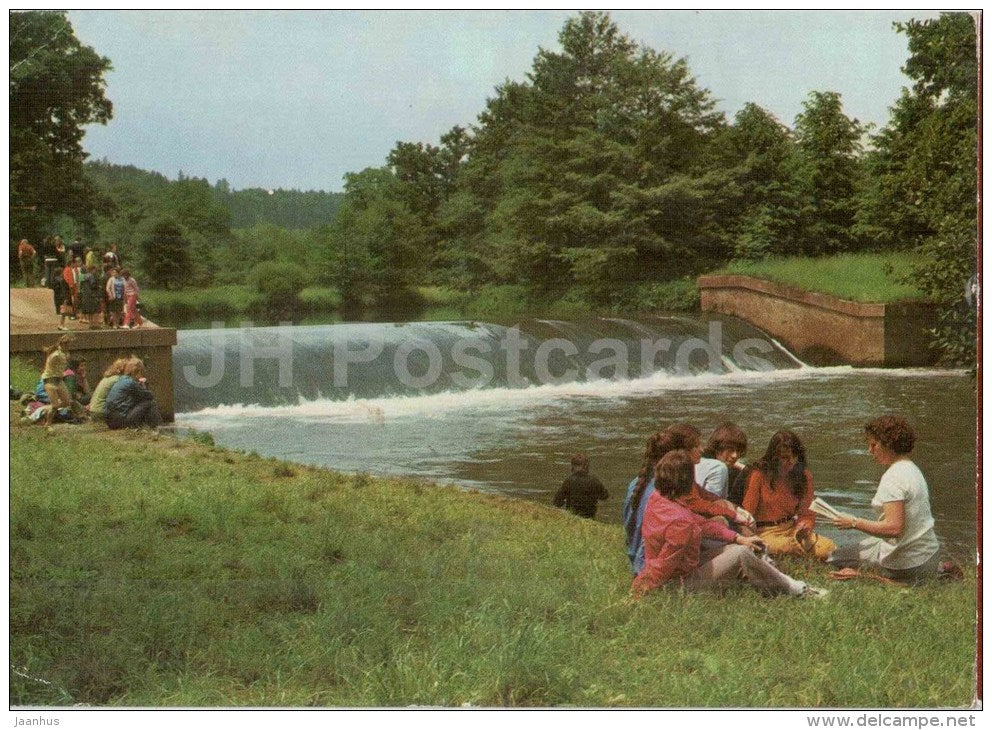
(591, 173)
(377, 246)
(280, 284)
(926, 166)
(56, 88)
(827, 171)
(165, 255)
(761, 206)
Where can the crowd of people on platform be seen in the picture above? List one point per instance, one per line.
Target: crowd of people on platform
(699, 518)
(88, 286)
(121, 398)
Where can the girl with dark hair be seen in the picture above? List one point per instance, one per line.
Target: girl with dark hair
(674, 551)
(684, 437)
(902, 544)
(580, 492)
(779, 493)
(717, 470)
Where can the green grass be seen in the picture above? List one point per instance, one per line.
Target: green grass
(158, 572)
(215, 301)
(442, 296)
(857, 277)
(23, 375)
(320, 299)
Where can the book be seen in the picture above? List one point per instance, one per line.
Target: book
(825, 510)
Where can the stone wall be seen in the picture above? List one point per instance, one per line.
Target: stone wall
(824, 330)
(101, 347)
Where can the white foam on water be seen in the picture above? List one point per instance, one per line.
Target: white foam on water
(501, 400)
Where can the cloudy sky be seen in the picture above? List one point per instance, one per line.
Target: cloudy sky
(295, 99)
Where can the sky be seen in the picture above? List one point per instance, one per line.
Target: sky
(295, 99)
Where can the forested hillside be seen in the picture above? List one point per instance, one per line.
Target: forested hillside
(603, 176)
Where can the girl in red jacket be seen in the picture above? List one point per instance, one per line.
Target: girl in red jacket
(673, 543)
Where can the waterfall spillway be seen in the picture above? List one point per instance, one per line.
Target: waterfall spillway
(280, 366)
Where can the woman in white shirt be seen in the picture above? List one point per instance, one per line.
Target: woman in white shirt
(902, 544)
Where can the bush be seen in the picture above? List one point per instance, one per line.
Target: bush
(320, 299)
(677, 295)
(499, 302)
(280, 285)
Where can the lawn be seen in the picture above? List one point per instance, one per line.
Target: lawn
(857, 277)
(147, 570)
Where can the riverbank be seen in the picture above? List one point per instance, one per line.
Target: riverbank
(152, 571)
(882, 278)
(232, 304)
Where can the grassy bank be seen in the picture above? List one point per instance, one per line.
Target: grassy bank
(152, 571)
(227, 302)
(858, 277)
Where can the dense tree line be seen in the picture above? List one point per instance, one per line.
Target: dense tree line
(605, 170)
(608, 168)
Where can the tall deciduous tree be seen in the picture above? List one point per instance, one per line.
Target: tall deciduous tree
(377, 245)
(926, 166)
(56, 88)
(827, 172)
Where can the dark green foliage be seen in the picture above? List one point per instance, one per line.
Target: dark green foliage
(761, 198)
(280, 284)
(827, 172)
(294, 209)
(56, 88)
(923, 193)
(377, 244)
(165, 256)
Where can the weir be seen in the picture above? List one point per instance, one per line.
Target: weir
(274, 366)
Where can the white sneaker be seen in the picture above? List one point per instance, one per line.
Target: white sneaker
(813, 592)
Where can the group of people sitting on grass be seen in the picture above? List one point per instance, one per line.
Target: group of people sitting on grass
(700, 518)
(121, 398)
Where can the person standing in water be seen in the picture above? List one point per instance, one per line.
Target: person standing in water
(581, 491)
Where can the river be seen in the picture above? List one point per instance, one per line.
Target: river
(451, 402)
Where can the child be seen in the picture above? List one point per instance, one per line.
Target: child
(580, 491)
(56, 362)
(115, 297)
(131, 292)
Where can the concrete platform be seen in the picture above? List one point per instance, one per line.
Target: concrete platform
(34, 326)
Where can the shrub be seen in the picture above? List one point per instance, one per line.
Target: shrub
(500, 302)
(280, 285)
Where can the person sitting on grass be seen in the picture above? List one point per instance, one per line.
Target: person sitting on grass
(679, 436)
(779, 493)
(98, 403)
(580, 492)
(129, 403)
(76, 382)
(902, 545)
(674, 548)
(718, 469)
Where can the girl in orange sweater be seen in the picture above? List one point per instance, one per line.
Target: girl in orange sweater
(779, 493)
